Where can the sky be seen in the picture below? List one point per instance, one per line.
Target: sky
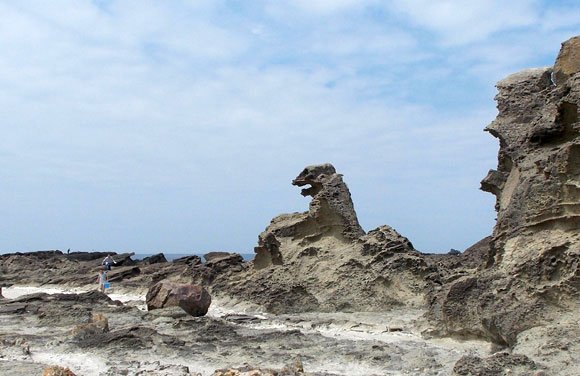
(177, 127)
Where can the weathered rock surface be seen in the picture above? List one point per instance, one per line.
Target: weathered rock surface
(323, 260)
(568, 60)
(531, 277)
(193, 299)
(89, 256)
(172, 343)
(499, 364)
(212, 255)
(293, 369)
(192, 260)
(331, 214)
(57, 371)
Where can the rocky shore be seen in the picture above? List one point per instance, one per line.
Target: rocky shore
(324, 297)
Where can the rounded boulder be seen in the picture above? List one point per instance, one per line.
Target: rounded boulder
(193, 299)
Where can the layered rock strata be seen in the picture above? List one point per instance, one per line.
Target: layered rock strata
(532, 276)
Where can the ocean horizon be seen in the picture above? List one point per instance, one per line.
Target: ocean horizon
(142, 255)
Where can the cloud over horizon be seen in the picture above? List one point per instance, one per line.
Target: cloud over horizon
(148, 126)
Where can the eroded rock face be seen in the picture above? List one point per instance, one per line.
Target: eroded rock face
(537, 182)
(193, 299)
(568, 60)
(331, 214)
(532, 273)
(331, 206)
(498, 364)
(323, 260)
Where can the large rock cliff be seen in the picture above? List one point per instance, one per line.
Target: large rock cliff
(532, 276)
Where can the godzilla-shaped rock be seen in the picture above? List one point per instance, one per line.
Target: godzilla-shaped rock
(331, 214)
(323, 260)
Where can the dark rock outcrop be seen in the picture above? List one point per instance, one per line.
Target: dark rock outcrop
(193, 299)
(124, 259)
(41, 255)
(212, 255)
(188, 260)
(122, 273)
(155, 259)
(89, 256)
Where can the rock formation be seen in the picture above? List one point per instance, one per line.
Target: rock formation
(532, 274)
(155, 259)
(331, 215)
(193, 299)
(323, 260)
(213, 255)
(57, 371)
(98, 324)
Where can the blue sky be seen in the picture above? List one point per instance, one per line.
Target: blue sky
(177, 126)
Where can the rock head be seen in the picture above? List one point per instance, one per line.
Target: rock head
(331, 214)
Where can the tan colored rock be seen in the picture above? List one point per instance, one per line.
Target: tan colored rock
(532, 275)
(331, 214)
(57, 371)
(293, 369)
(99, 324)
(323, 260)
(568, 60)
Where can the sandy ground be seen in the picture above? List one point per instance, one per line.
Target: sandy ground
(394, 327)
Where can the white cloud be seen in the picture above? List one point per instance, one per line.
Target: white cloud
(458, 22)
(201, 112)
(330, 6)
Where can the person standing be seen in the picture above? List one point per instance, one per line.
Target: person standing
(101, 280)
(107, 261)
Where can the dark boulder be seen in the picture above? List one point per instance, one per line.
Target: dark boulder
(42, 255)
(193, 299)
(155, 259)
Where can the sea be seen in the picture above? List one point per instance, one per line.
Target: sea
(168, 256)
